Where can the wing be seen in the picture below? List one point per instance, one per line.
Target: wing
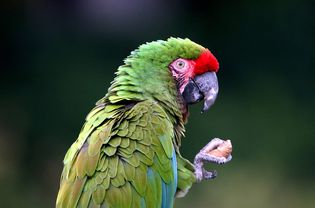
(186, 176)
(128, 160)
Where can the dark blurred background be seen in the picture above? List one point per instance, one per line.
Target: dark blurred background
(57, 59)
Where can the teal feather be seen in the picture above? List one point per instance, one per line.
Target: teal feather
(169, 190)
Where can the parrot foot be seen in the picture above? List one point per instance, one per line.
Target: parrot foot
(216, 151)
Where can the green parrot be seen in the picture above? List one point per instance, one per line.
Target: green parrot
(127, 153)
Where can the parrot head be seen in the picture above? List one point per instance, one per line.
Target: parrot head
(197, 78)
(175, 72)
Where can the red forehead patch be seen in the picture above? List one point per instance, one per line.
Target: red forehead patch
(206, 62)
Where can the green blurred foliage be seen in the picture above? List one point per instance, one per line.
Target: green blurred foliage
(57, 59)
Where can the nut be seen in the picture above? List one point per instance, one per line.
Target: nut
(223, 150)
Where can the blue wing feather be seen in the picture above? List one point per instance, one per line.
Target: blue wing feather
(169, 190)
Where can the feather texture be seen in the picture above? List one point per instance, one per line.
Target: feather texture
(122, 171)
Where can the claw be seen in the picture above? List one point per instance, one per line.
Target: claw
(216, 151)
(209, 174)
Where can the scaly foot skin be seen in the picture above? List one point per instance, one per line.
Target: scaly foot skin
(216, 151)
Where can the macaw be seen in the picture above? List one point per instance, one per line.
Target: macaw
(127, 153)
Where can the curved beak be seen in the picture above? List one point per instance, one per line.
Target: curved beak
(204, 86)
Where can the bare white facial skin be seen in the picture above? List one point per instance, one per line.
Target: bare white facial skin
(182, 70)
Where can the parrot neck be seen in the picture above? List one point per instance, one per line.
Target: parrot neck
(133, 84)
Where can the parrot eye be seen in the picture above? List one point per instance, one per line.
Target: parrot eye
(180, 65)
